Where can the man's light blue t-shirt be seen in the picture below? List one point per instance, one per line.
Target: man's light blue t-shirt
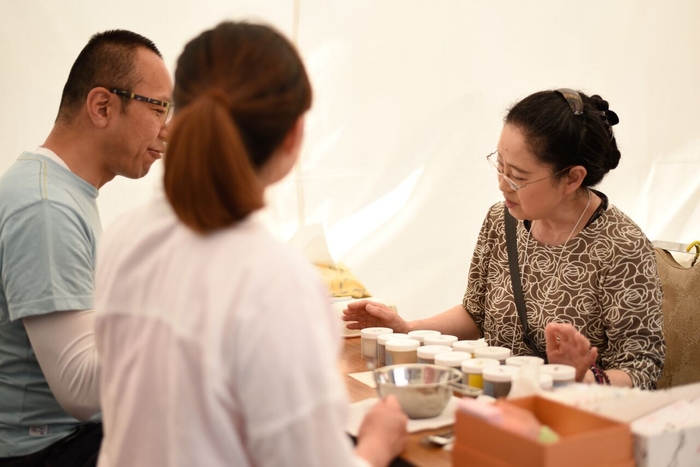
(49, 227)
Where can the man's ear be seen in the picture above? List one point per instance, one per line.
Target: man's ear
(100, 105)
(575, 177)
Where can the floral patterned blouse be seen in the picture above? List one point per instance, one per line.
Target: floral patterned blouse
(604, 282)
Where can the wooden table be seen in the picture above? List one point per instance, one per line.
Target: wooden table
(415, 453)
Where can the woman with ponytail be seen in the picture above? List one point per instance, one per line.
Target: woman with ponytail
(217, 342)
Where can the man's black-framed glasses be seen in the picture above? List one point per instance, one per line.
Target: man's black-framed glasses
(169, 107)
(514, 186)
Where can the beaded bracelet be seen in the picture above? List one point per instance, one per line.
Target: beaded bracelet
(600, 376)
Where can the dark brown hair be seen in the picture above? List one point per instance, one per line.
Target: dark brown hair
(107, 60)
(239, 90)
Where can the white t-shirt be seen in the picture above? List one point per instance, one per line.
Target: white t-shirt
(217, 350)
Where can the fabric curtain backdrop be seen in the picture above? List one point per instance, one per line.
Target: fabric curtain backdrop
(409, 99)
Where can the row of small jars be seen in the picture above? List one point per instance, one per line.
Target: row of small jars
(489, 368)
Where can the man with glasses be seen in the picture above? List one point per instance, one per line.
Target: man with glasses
(112, 120)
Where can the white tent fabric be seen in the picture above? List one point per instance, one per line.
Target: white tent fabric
(409, 99)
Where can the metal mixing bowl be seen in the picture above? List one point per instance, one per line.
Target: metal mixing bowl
(422, 390)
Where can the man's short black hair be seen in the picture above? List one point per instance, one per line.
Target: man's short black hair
(106, 60)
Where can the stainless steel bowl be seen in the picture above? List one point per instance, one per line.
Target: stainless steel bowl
(422, 390)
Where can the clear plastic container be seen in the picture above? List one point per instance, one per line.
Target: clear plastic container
(368, 342)
(381, 345)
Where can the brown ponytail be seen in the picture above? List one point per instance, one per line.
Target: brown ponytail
(239, 90)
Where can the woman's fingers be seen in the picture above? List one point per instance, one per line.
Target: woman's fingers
(365, 313)
(568, 346)
(592, 356)
(360, 308)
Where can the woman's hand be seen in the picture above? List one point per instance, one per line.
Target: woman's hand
(367, 314)
(567, 346)
(383, 433)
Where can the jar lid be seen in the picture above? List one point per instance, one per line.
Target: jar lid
(383, 338)
(499, 353)
(500, 373)
(440, 339)
(559, 372)
(429, 351)
(524, 360)
(373, 333)
(546, 381)
(421, 333)
(453, 359)
(469, 346)
(477, 365)
(402, 344)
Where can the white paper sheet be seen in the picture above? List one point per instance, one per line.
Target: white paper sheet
(365, 377)
(359, 409)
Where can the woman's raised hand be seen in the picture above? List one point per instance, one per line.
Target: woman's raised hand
(567, 346)
(367, 314)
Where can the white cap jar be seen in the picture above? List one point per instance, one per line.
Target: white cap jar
(546, 381)
(561, 374)
(440, 339)
(498, 380)
(419, 334)
(497, 353)
(426, 353)
(469, 346)
(521, 360)
(473, 370)
(452, 359)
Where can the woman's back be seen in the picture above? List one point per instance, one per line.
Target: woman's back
(185, 319)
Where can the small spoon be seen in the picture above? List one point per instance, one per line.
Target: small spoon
(440, 439)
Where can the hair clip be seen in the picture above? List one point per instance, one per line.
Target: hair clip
(573, 98)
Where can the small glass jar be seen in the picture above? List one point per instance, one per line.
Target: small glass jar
(399, 351)
(497, 353)
(524, 360)
(426, 353)
(381, 345)
(420, 334)
(473, 369)
(440, 339)
(498, 380)
(368, 342)
(469, 346)
(561, 374)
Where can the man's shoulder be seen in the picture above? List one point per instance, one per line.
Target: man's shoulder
(20, 186)
(34, 179)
